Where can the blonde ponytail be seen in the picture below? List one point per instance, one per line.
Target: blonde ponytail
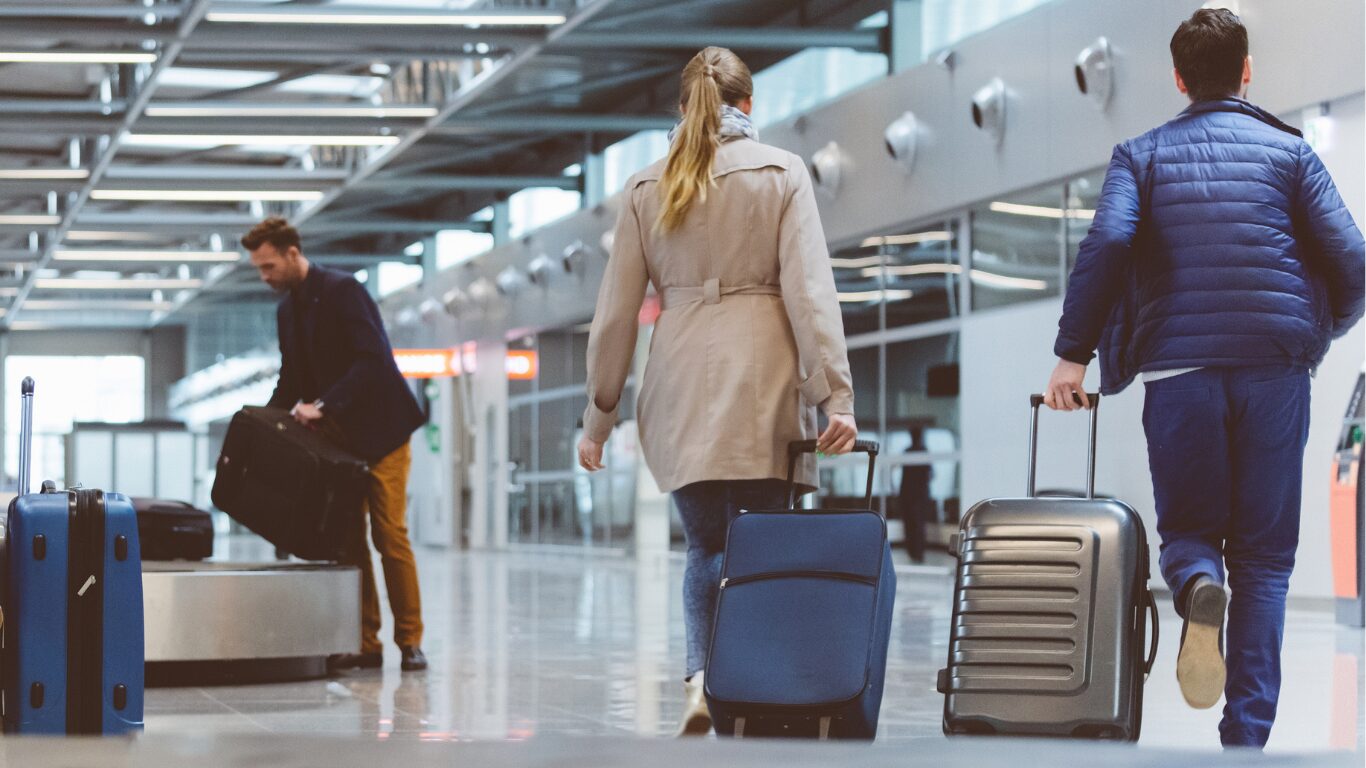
(714, 77)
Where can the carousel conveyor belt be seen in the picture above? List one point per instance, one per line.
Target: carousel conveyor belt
(225, 623)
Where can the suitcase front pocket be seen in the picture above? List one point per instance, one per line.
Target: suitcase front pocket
(792, 639)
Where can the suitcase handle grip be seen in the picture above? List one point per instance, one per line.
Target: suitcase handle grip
(26, 435)
(1035, 402)
(800, 447)
(1152, 644)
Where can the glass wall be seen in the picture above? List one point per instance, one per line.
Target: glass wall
(808, 79)
(70, 389)
(1017, 246)
(1083, 193)
(553, 501)
(535, 207)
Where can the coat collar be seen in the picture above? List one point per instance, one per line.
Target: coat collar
(1241, 106)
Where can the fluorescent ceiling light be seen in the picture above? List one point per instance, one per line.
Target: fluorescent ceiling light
(1043, 211)
(115, 284)
(216, 140)
(1008, 283)
(387, 17)
(87, 305)
(286, 110)
(913, 239)
(913, 270)
(184, 257)
(217, 79)
(208, 195)
(855, 297)
(43, 174)
(30, 219)
(359, 86)
(76, 57)
(858, 263)
(104, 235)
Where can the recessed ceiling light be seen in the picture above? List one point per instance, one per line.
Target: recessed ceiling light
(286, 110)
(290, 15)
(106, 235)
(76, 57)
(130, 255)
(218, 140)
(87, 305)
(208, 195)
(43, 174)
(103, 284)
(27, 219)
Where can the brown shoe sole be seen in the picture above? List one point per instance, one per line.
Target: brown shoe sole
(1200, 666)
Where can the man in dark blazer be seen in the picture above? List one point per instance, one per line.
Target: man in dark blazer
(337, 374)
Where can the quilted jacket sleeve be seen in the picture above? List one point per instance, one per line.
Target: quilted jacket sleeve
(1333, 243)
(1098, 276)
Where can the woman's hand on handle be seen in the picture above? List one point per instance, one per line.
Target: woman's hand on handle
(590, 454)
(839, 435)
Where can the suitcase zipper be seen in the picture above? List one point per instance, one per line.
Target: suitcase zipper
(811, 574)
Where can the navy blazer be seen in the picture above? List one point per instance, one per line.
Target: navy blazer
(335, 350)
(1219, 241)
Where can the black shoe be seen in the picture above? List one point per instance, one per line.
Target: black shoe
(413, 660)
(1200, 665)
(342, 661)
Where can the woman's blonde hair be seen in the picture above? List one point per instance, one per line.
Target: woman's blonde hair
(715, 76)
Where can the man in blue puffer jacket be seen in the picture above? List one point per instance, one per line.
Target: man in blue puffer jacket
(1220, 265)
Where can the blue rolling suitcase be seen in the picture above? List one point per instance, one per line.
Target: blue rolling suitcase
(803, 619)
(72, 601)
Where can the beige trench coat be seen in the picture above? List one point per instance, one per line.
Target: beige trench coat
(750, 340)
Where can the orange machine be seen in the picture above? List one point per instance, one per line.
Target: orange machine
(1346, 518)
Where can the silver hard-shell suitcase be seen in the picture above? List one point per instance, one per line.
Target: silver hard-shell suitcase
(1050, 613)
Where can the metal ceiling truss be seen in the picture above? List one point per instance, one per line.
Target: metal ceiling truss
(452, 101)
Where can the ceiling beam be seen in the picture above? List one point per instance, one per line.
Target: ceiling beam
(736, 38)
(24, 30)
(76, 106)
(554, 123)
(538, 97)
(277, 81)
(225, 173)
(124, 12)
(370, 38)
(472, 183)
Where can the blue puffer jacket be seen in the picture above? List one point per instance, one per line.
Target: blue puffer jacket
(1219, 241)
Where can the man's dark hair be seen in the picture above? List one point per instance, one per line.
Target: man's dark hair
(274, 230)
(1208, 50)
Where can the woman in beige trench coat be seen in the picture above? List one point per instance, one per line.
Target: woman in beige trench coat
(749, 342)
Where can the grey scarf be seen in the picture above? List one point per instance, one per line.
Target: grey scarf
(734, 124)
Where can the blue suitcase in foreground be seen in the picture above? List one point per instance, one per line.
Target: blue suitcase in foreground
(803, 619)
(72, 600)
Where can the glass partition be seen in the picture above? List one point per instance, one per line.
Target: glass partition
(1017, 248)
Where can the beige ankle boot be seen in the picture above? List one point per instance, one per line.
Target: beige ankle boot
(696, 717)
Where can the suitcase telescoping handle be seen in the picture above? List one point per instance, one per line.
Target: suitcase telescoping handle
(25, 435)
(1035, 402)
(799, 447)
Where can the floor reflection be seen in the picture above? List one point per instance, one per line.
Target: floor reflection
(529, 644)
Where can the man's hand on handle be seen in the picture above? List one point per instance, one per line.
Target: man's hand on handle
(307, 414)
(839, 435)
(1065, 390)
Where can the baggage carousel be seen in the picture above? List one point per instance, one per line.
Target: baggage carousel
(227, 623)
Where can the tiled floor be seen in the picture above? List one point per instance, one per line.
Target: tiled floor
(531, 645)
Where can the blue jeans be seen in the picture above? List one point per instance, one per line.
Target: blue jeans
(707, 509)
(1226, 449)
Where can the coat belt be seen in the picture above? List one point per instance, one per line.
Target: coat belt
(711, 292)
